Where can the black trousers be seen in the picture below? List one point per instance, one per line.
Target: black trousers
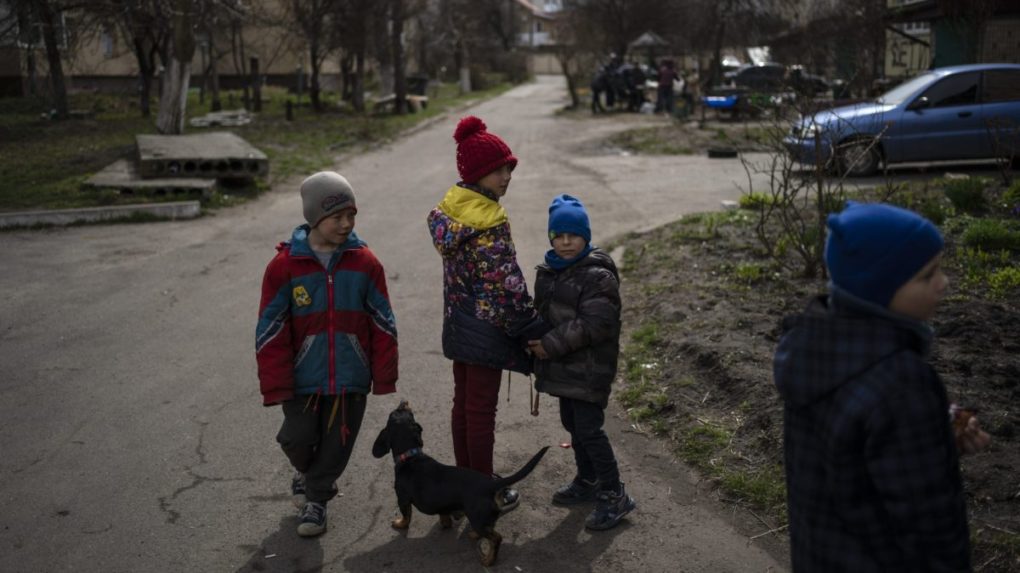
(592, 452)
(320, 453)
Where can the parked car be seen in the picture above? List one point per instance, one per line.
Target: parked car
(953, 113)
(764, 77)
(804, 82)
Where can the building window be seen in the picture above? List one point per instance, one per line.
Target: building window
(107, 43)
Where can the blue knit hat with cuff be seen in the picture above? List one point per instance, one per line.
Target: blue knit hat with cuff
(567, 215)
(873, 249)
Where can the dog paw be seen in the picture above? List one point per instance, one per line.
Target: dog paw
(400, 523)
(445, 521)
(488, 550)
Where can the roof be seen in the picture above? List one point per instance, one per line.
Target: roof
(647, 40)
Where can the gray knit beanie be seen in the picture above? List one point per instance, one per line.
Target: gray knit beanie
(325, 193)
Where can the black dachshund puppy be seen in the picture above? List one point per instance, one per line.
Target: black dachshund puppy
(435, 488)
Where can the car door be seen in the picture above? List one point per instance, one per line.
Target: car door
(944, 122)
(1000, 111)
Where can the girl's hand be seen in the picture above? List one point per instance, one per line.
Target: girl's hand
(536, 348)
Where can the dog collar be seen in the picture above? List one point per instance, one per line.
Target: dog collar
(407, 455)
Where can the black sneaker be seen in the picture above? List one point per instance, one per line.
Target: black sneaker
(577, 491)
(297, 490)
(609, 509)
(313, 519)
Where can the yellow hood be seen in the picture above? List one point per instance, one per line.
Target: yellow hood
(472, 209)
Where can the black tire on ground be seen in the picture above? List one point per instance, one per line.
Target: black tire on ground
(722, 153)
(858, 158)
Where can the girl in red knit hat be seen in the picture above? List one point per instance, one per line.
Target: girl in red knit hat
(489, 314)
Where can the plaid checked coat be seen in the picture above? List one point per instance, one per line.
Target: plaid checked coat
(871, 465)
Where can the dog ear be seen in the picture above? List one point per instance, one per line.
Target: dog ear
(382, 444)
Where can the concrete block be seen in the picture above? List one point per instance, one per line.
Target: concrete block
(205, 155)
(123, 176)
(175, 210)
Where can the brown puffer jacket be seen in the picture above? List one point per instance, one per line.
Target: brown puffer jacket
(582, 304)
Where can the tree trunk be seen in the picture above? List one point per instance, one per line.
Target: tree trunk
(346, 76)
(358, 90)
(382, 45)
(256, 85)
(313, 88)
(145, 73)
(399, 77)
(173, 101)
(59, 87)
(564, 60)
(214, 80)
(174, 97)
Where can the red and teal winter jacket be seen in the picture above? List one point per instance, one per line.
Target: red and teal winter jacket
(324, 331)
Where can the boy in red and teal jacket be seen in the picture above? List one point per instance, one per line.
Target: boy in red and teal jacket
(326, 337)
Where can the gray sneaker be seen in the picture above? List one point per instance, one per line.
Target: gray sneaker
(313, 519)
(610, 508)
(577, 491)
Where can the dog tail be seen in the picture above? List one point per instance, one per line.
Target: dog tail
(521, 473)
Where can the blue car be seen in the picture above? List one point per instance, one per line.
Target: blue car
(954, 113)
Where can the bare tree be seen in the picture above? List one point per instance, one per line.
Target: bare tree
(146, 26)
(314, 20)
(46, 16)
(174, 96)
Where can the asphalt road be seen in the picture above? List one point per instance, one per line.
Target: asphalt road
(133, 434)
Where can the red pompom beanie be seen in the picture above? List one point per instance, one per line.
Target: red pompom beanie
(478, 151)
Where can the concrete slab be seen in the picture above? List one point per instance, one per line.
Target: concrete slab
(123, 176)
(212, 155)
(226, 118)
(174, 210)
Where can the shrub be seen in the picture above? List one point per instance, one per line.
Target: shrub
(978, 265)
(1004, 281)
(1011, 198)
(991, 235)
(967, 195)
(756, 201)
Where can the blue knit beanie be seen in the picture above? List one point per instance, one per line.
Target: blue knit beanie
(567, 215)
(874, 249)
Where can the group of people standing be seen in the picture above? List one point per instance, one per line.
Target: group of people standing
(623, 83)
(871, 439)
(326, 335)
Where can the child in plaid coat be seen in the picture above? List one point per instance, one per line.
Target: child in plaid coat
(871, 447)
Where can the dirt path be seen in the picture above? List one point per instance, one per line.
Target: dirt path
(132, 419)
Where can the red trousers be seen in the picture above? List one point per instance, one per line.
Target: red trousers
(473, 421)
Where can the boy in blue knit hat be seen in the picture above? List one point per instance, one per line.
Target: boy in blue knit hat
(871, 441)
(577, 293)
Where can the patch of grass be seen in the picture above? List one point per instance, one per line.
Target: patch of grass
(1004, 282)
(649, 140)
(968, 195)
(44, 162)
(749, 273)
(765, 487)
(699, 444)
(992, 235)
(977, 265)
(756, 201)
(1011, 199)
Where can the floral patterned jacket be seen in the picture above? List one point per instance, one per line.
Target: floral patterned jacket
(486, 300)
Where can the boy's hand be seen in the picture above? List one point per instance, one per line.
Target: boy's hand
(536, 348)
(970, 438)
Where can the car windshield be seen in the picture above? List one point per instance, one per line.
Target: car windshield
(901, 92)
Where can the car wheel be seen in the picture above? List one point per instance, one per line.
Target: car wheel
(858, 158)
